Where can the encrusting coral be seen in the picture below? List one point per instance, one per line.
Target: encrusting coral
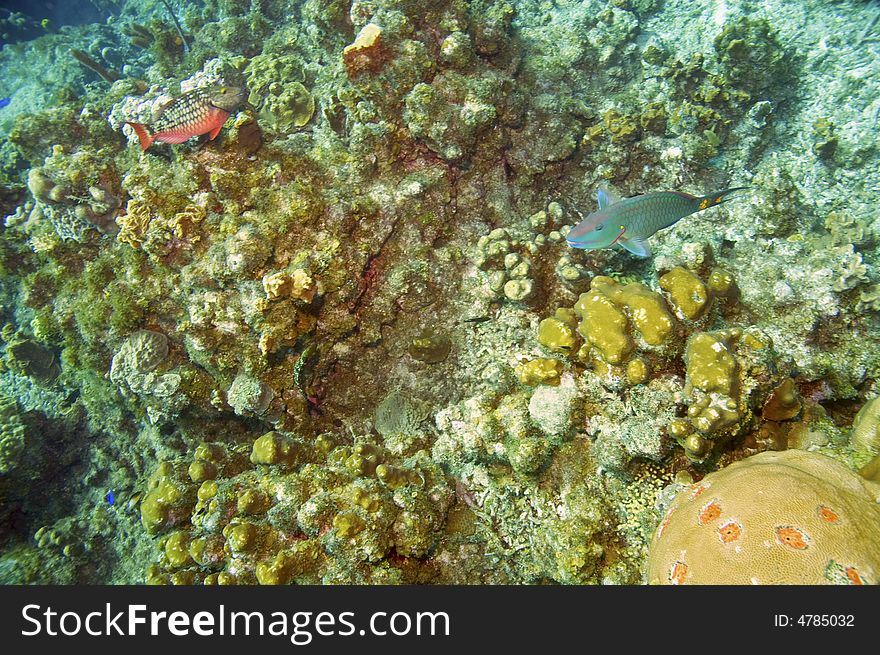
(337, 509)
(74, 193)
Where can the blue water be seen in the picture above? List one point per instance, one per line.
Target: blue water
(29, 14)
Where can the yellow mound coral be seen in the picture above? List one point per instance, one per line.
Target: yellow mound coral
(539, 371)
(711, 367)
(616, 320)
(646, 309)
(274, 448)
(557, 331)
(290, 510)
(604, 327)
(689, 297)
(607, 311)
(687, 292)
(169, 500)
(866, 427)
(791, 517)
(712, 384)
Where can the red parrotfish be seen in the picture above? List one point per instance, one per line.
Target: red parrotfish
(195, 112)
(629, 222)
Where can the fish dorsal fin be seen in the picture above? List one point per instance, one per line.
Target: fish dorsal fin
(607, 196)
(638, 247)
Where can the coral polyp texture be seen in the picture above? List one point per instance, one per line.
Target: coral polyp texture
(329, 327)
(792, 517)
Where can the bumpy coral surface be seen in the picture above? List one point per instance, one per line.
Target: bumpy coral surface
(792, 517)
(866, 428)
(228, 520)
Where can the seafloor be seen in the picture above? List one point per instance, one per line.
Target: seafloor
(347, 342)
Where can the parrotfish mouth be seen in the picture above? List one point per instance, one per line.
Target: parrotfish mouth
(585, 245)
(574, 243)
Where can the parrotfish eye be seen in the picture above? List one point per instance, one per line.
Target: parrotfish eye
(621, 227)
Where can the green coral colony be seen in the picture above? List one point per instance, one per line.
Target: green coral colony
(346, 340)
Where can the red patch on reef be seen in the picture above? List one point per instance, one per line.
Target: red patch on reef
(369, 276)
(792, 537)
(664, 523)
(678, 573)
(699, 489)
(828, 515)
(853, 575)
(729, 532)
(710, 512)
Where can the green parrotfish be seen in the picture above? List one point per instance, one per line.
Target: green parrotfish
(631, 221)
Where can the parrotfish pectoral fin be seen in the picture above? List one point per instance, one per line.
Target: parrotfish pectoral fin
(638, 247)
(143, 134)
(606, 196)
(213, 133)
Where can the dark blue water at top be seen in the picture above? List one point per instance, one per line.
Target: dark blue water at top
(58, 13)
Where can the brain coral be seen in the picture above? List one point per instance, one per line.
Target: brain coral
(791, 517)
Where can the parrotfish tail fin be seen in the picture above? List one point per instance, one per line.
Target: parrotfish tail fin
(143, 134)
(717, 198)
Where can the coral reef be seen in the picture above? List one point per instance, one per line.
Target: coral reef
(631, 337)
(346, 341)
(248, 396)
(336, 511)
(71, 193)
(277, 92)
(134, 368)
(30, 358)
